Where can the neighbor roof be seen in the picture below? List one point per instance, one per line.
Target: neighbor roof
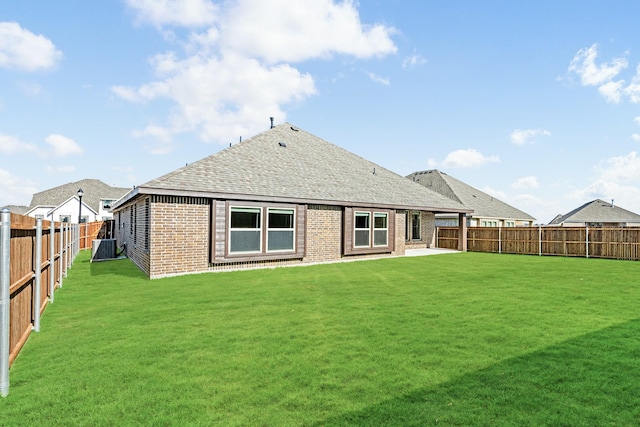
(286, 163)
(597, 211)
(483, 204)
(94, 190)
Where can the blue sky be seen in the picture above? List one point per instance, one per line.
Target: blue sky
(534, 102)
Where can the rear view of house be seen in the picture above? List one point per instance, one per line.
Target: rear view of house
(282, 197)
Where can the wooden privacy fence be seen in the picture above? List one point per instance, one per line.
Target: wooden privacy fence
(34, 257)
(589, 242)
(90, 231)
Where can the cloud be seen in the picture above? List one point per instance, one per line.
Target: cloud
(469, 158)
(602, 75)
(637, 120)
(413, 61)
(22, 50)
(378, 79)
(619, 179)
(294, 31)
(63, 146)
(521, 137)
(592, 74)
(612, 91)
(15, 190)
(633, 90)
(526, 183)
(185, 13)
(240, 70)
(636, 137)
(12, 145)
(621, 168)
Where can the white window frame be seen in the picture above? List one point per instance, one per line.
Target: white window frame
(385, 229)
(259, 210)
(356, 229)
(292, 211)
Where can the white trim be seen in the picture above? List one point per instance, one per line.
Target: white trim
(259, 210)
(293, 212)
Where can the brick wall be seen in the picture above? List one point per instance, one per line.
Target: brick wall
(131, 224)
(324, 233)
(179, 236)
(401, 218)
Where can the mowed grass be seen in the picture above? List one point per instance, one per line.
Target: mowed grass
(461, 339)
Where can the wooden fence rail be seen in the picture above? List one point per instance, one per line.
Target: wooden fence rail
(35, 256)
(590, 242)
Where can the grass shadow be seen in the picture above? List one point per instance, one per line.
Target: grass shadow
(592, 380)
(112, 267)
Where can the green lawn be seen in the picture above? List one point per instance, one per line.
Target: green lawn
(461, 339)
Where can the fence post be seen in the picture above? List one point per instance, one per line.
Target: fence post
(5, 302)
(539, 241)
(587, 240)
(499, 239)
(52, 260)
(60, 259)
(37, 270)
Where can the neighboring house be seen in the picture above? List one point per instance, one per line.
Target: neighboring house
(488, 211)
(598, 213)
(63, 204)
(279, 198)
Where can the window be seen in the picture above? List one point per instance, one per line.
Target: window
(368, 231)
(65, 218)
(415, 226)
(380, 229)
(361, 232)
(245, 232)
(280, 230)
(509, 224)
(106, 204)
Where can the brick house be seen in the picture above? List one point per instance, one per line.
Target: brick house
(280, 198)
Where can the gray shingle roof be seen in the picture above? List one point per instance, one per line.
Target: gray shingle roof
(597, 211)
(483, 204)
(289, 164)
(93, 190)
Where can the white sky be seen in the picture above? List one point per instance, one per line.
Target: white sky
(535, 103)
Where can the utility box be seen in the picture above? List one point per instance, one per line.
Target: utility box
(103, 249)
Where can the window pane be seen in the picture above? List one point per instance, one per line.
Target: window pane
(415, 226)
(280, 240)
(380, 220)
(362, 238)
(245, 218)
(244, 241)
(380, 238)
(280, 218)
(362, 220)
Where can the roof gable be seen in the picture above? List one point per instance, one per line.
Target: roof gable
(290, 164)
(94, 190)
(483, 204)
(597, 211)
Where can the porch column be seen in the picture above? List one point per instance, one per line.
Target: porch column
(462, 232)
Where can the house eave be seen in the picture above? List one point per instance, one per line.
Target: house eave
(262, 198)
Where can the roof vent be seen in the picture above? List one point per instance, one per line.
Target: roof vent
(271, 118)
(282, 144)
